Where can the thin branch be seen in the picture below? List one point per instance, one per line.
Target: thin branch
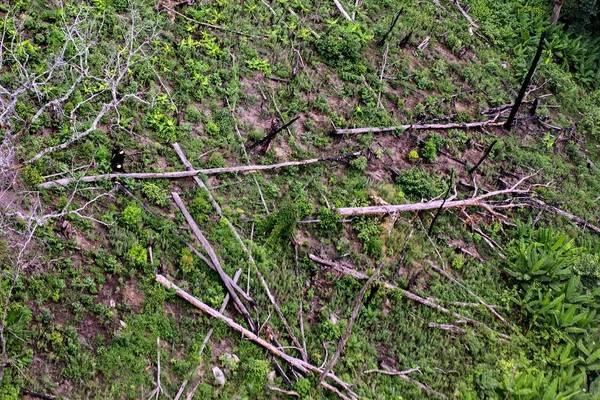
(469, 125)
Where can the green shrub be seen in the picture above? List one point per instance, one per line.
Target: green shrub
(212, 129)
(340, 44)
(418, 184)
(155, 194)
(131, 215)
(359, 163)
(216, 160)
(413, 156)
(138, 255)
(186, 261)
(31, 176)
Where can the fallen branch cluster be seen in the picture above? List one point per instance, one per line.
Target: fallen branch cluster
(409, 295)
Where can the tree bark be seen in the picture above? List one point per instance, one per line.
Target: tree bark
(556, 12)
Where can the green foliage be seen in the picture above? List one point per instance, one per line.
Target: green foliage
(132, 215)
(341, 44)
(163, 125)
(31, 176)
(418, 184)
(155, 194)
(138, 255)
(330, 220)
(186, 262)
(369, 233)
(359, 163)
(413, 156)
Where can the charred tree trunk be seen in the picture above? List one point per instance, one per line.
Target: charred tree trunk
(519, 100)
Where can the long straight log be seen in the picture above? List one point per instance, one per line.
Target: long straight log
(468, 125)
(299, 364)
(409, 295)
(195, 172)
(227, 281)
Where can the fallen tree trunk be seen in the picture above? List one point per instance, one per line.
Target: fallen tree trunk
(468, 125)
(411, 296)
(295, 362)
(432, 205)
(195, 172)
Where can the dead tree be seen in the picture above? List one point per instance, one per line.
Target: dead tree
(521, 95)
(81, 33)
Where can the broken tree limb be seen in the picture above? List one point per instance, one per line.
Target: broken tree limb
(207, 25)
(468, 125)
(477, 297)
(348, 332)
(195, 172)
(485, 155)
(295, 362)
(578, 220)
(411, 296)
(266, 140)
(446, 327)
(199, 182)
(404, 375)
(341, 8)
(464, 13)
(213, 257)
(199, 379)
(393, 372)
(238, 289)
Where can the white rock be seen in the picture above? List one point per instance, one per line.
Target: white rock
(271, 376)
(112, 303)
(123, 324)
(219, 376)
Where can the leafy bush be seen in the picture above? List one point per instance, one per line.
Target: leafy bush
(186, 262)
(155, 194)
(417, 183)
(359, 163)
(340, 44)
(132, 215)
(138, 255)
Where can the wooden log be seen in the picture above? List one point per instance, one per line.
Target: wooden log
(468, 125)
(578, 220)
(392, 209)
(195, 172)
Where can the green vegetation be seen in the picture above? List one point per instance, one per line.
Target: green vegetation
(83, 314)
